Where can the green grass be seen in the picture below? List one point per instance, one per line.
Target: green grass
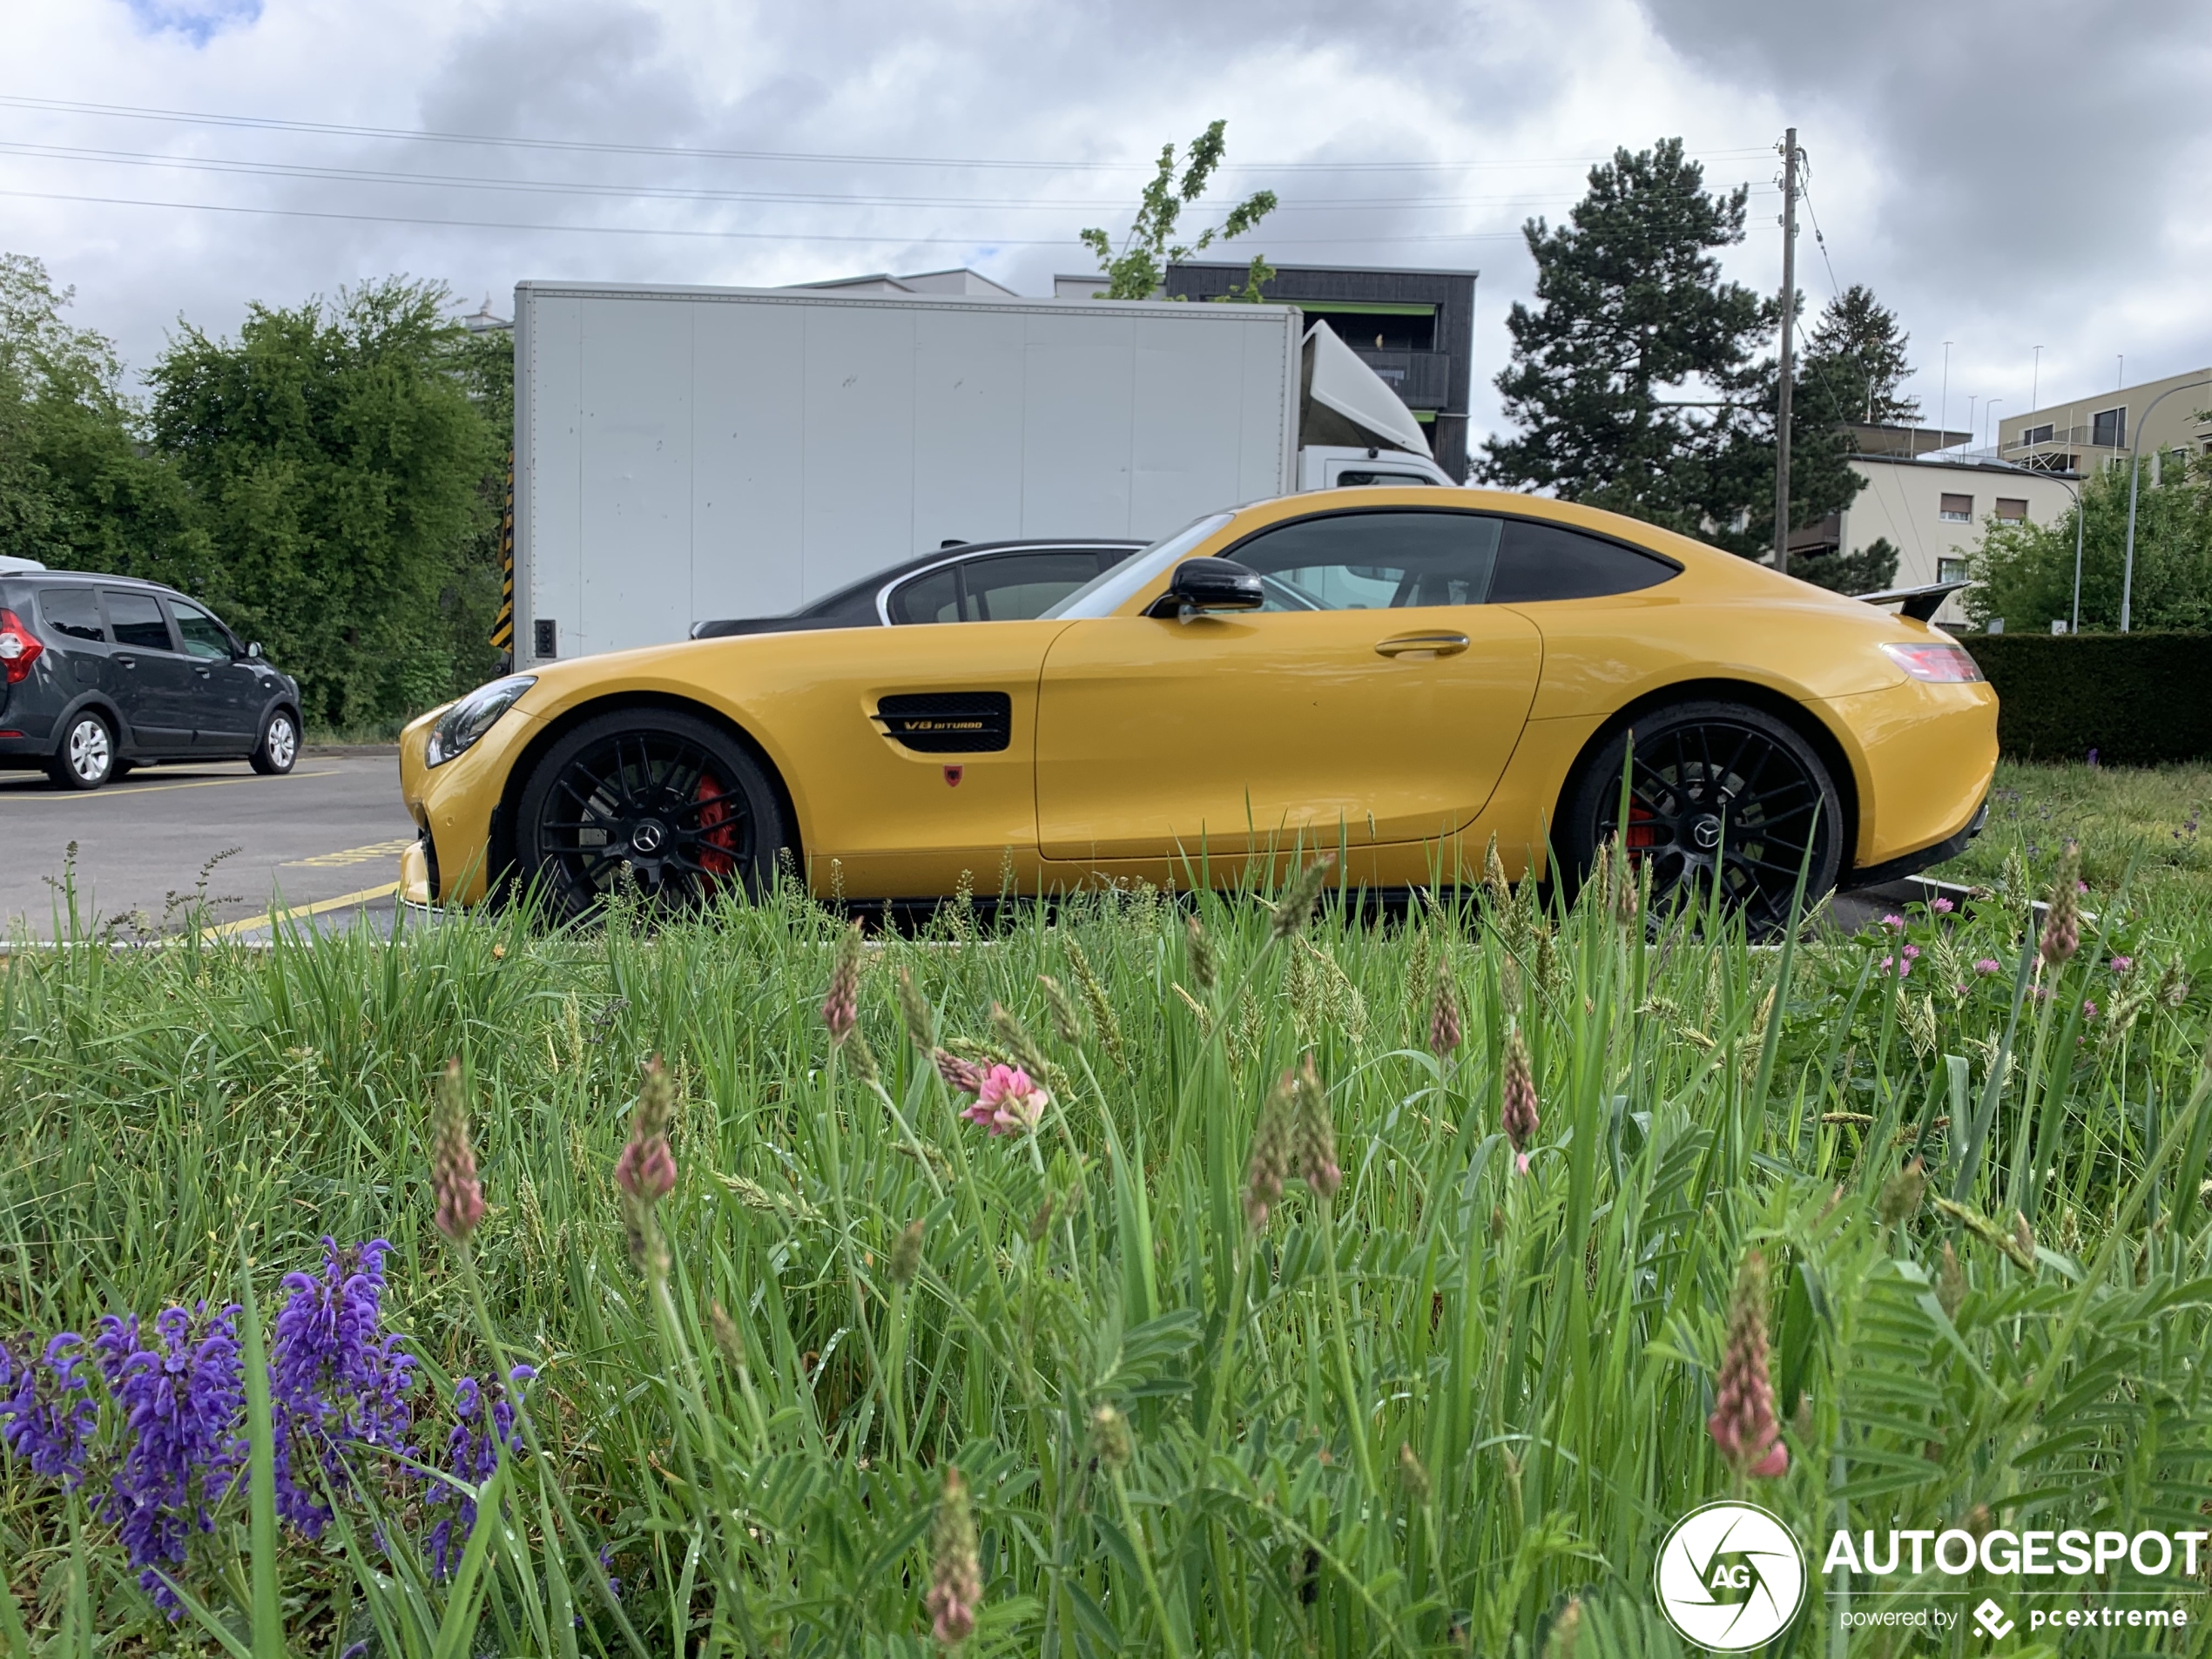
(2156, 820)
(1419, 1417)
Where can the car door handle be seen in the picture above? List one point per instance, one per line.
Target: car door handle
(127, 662)
(1425, 644)
(200, 671)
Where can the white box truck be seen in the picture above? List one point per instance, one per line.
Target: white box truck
(684, 453)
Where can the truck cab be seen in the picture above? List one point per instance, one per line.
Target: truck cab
(1332, 466)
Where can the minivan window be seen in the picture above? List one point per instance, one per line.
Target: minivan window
(137, 619)
(204, 637)
(72, 611)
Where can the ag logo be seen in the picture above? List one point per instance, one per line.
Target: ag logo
(1731, 1577)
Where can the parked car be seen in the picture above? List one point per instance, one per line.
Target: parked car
(1475, 665)
(103, 673)
(963, 582)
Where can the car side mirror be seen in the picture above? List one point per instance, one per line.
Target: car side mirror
(254, 650)
(1200, 585)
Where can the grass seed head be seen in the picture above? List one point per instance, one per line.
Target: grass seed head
(906, 1254)
(1317, 1134)
(1444, 1031)
(961, 1077)
(1067, 1024)
(1296, 908)
(1199, 949)
(1272, 1139)
(452, 1160)
(1415, 1477)
(1517, 1109)
(726, 1337)
(1743, 1423)
(1951, 1282)
(1015, 1038)
(1566, 1631)
(841, 1006)
(914, 1010)
(1902, 1194)
(1493, 879)
(955, 1580)
(1110, 1438)
(2062, 925)
(646, 1169)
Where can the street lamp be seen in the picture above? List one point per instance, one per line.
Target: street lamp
(2074, 627)
(1989, 422)
(2127, 569)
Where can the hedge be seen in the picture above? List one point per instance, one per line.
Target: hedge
(2136, 699)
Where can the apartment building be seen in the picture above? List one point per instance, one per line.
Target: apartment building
(2086, 434)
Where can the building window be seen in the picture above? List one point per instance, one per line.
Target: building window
(2012, 509)
(2037, 434)
(1959, 510)
(2108, 429)
(1951, 570)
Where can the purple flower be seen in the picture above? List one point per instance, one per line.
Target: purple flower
(1902, 961)
(334, 1379)
(2122, 964)
(1988, 964)
(473, 1445)
(607, 1566)
(1941, 907)
(47, 1411)
(1894, 922)
(181, 1396)
(2088, 1009)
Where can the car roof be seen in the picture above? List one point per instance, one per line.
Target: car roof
(49, 578)
(873, 584)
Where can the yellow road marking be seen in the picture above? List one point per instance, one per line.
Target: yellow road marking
(353, 855)
(117, 790)
(223, 929)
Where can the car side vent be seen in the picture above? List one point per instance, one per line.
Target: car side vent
(945, 722)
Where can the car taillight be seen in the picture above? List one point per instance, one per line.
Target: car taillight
(19, 648)
(1935, 662)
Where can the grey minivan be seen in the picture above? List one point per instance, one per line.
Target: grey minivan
(99, 674)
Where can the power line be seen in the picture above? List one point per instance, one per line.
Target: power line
(536, 186)
(127, 112)
(639, 230)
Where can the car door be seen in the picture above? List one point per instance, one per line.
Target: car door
(1384, 710)
(150, 679)
(226, 699)
(73, 622)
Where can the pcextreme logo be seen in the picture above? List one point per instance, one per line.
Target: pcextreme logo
(1732, 1576)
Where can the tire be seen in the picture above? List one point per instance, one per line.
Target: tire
(1719, 791)
(278, 749)
(657, 798)
(86, 758)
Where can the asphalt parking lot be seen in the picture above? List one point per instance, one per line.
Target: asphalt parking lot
(323, 842)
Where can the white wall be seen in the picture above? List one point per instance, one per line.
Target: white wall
(1903, 501)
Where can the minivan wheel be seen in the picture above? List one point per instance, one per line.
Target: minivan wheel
(86, 758)
(280, 746)
(659, 803)
(1720, 795)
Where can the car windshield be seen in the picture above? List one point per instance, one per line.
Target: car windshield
(1115, 587)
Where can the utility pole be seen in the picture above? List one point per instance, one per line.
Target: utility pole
(1789, 320)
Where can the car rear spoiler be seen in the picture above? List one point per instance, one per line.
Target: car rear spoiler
(1920, 603)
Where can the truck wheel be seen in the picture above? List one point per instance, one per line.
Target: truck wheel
(660, 802)
(279, 748)
(1720, 794)
(86, 757)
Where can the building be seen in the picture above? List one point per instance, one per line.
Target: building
(1934, 511)
(2089, 432)
(968, 284)
(1414, 329)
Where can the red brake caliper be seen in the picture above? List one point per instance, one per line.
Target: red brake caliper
(718, 829)
(1643, 834)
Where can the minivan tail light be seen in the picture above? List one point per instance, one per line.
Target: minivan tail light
(1935, 662)
(19, 647)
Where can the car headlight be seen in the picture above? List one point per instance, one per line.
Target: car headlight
(1934, 662)
(473, 716)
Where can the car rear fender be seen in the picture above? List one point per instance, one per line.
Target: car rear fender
(1830, 745)
(500, 841)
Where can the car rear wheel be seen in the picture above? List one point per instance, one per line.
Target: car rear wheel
(278, 749)
(661, 802)
(86, 757)
(1719, 794)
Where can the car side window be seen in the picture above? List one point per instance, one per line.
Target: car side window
(204, 637)
(1381, 561)
(1537, 561)
(137, 620)
(74, 612)
(1021, 587)
(932, 597)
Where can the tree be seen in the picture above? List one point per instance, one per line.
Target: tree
(337, 460)
(1635, 381)
(1855, 363)
(2026, 571)
(78, 487)
(1138, 271)
(1868, 571)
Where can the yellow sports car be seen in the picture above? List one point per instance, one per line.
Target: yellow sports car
(1395, 676)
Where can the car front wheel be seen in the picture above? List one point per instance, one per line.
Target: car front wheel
(279, 746)
(1720, 795)
(660, 803)
(86, 758)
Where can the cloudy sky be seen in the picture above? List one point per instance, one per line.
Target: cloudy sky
(2008, 175)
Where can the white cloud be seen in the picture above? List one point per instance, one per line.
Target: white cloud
(2006, 176)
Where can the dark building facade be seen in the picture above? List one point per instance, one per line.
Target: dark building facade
(1414, 329)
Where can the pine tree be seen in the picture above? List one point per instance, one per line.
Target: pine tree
(1855, 363)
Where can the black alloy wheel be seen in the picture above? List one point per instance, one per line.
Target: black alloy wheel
(1719, 795)
(662, 804)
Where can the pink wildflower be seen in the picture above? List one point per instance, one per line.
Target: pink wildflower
(2088, 1009)
(1988, 964)
(452, 1160)
(1895, 923)
(1942, 906)
(961, 1077)
(1517, 1105)
(1902, 961)
(1008, 1101)
(1743, 1423)
(2122, 964)
(956, 1582)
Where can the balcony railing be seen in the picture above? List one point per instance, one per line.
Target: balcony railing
(1422, 378)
